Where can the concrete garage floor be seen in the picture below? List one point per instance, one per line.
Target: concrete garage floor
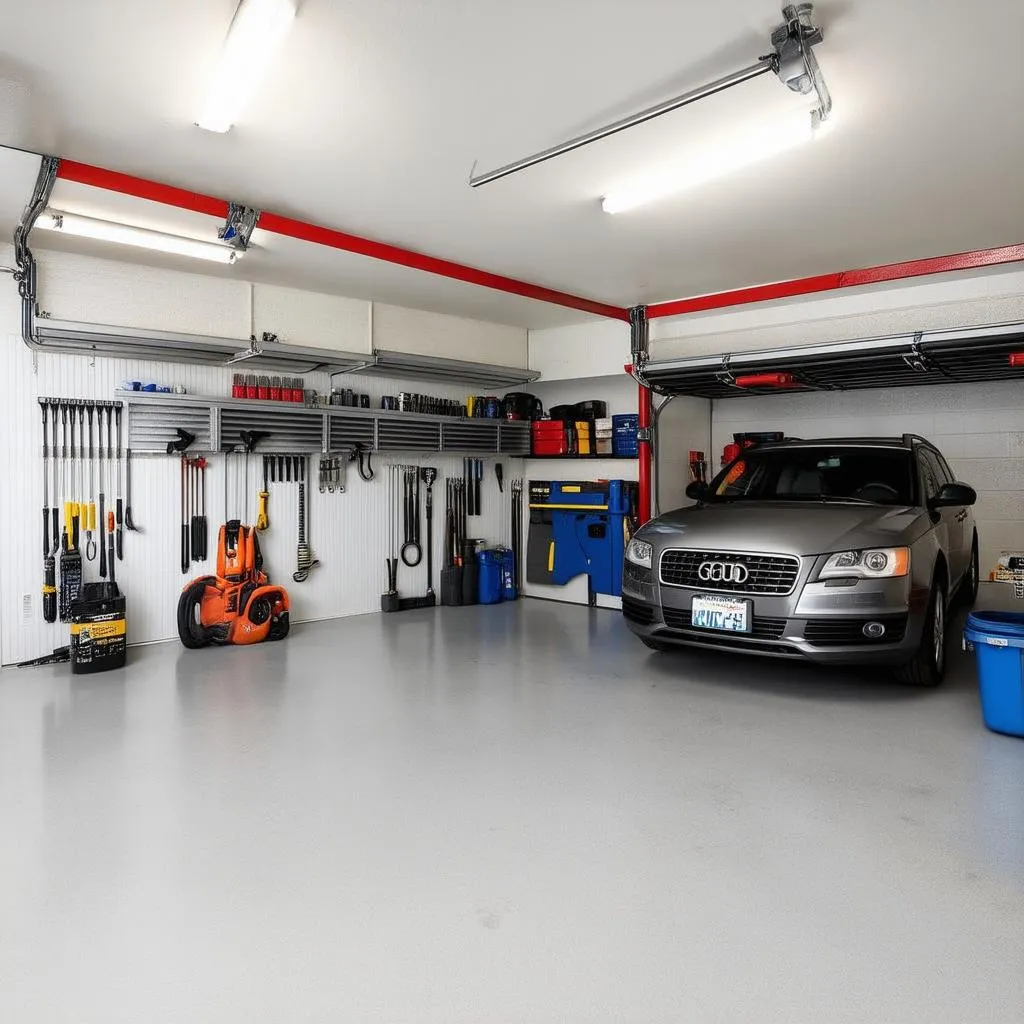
(510, 814)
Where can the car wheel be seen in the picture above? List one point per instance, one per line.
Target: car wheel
(969, 587)
(656, 645)
(928, 665)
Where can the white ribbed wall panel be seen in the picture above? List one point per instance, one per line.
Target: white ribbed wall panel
(349, 532)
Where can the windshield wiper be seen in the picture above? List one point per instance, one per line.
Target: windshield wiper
(835, 499)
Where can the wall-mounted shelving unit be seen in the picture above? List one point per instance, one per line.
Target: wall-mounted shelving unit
(218, 423)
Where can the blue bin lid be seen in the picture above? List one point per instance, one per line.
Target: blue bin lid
(999, 623)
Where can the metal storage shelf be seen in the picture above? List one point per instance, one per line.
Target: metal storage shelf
(580, 458)
(267, 353)
(971, 355)
(153, 420)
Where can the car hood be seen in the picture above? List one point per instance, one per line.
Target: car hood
(799, 528)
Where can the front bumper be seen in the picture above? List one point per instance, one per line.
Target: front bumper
(815, 622)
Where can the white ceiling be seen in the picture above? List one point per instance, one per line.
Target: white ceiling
(375, 112)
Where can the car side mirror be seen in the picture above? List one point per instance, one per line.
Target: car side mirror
(696, 491)
(951, 495)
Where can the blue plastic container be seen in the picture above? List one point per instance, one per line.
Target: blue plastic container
(624, 428)
(489, 576)
(998, 642)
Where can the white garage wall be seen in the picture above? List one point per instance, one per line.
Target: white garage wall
(978, 427)
(945, 301)
(348, 531)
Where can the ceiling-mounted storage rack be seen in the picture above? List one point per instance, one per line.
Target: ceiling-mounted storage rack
(968, 355)
(403, 365)
(217, 423)
(267, 353)
(128, 343)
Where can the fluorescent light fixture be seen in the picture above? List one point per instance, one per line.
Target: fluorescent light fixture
(142, 238)
(758, 143)
(256, 34)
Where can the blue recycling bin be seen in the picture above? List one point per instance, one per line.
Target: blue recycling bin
(489, 566)
(998, 642)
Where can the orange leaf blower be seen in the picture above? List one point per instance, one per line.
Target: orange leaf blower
(237, 606)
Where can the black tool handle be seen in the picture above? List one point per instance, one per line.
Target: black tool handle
(120, 535)
(50, 590)
(185, 559)
(103, 547)
(430, 540)
(46, 533)
(416, 512)
(55, 528)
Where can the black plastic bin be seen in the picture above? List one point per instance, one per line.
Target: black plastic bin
(99, 632)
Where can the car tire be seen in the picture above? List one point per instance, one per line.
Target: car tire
(968, 592)
(928, 666)
(656, 645)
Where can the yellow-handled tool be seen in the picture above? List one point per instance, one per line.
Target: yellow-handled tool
(89, 514)
(262, 519)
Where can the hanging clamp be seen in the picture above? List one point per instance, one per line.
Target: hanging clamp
(725, 375)
(916, 359)
(237, 230)
(184, 442)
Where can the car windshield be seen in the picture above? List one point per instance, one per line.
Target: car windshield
(878, 476)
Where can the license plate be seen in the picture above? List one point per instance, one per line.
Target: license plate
(725, 614)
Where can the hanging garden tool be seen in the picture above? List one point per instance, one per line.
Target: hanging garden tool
(55, 507)
(411, 552)
(250, 438)
(129, 521)
(101, 472)
(185, 527)
(90, 515)
(204, 524)
(49, 562)
(120, 500)
(429, 475)
(304, 559)
(262, 518)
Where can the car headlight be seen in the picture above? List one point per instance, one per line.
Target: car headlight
(872, 564)
(639, 552)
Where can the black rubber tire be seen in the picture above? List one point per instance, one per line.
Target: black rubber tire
(657, 645)
(279, 628)
(186, 616)
(967, 593)
(928, 667)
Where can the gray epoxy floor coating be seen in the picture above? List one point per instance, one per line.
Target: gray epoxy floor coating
(508, 814)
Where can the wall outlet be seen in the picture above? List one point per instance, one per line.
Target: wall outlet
(26, 608)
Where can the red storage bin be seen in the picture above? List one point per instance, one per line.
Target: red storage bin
(550, 437)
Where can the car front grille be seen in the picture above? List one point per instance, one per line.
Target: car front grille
(835, 632)
(761, 629)
(634, 611)
(765, 574)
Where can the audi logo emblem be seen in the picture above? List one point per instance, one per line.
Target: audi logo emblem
(723, 572)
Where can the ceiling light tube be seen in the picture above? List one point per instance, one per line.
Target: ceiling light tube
(125, 234)
(256, 34)
(753, 146)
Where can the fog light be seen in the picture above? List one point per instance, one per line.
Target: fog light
(873, 630)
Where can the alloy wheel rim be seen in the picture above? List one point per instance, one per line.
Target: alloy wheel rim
(938, 626)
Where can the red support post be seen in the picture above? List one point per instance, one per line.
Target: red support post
(644, 452)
